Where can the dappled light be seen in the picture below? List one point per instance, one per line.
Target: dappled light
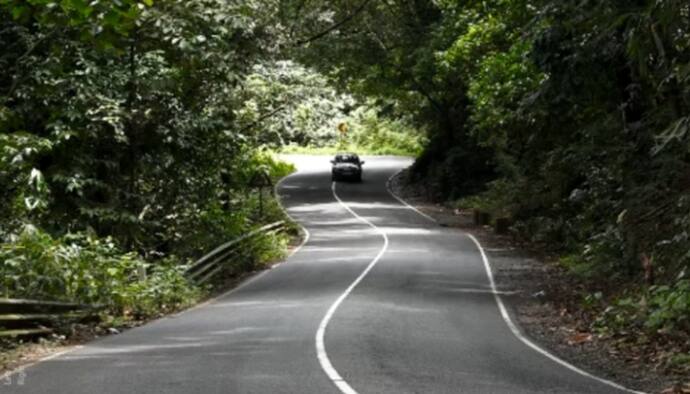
(293, 196)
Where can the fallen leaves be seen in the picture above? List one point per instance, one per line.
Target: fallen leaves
(579, 338)
(681, 388)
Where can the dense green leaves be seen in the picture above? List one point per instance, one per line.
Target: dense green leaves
(128, 132)
(580, 107)
(143, 120)
(119, 119)
(88, 270)
(286, 103)
(570, 117)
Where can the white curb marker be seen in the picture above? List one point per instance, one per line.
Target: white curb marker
(504, 312)
(325, 362)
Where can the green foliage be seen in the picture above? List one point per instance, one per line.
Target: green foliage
(368, 133)
(376, 135)
(84, 269)
(100, 22)
(129, 130)
(119, 119)
(26, 189)
(271, 248)
(235, 212)
(305, 108)
(579, 266)
(274, 167)
(670, 307)
(297, 109)
(503, 79)
(495, 200)
(569, 117)
(661, 310)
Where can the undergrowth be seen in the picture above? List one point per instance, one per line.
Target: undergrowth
(86, 268)
(640, 301)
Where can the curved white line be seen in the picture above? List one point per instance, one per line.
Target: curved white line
(504, 312)
(516, 331)
(321, 353)
(403, 202)
(282, 207)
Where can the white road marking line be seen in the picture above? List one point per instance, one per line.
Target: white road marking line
(504, 312)
(280, 204)
(403, 202)
(321, 353)
(516, 331)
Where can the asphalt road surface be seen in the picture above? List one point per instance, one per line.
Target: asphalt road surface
(379, 300)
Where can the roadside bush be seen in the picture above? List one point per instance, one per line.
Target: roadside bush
(275, 168)
(669, 307)
(236, 210)
(165, 290)
(268, 248)
(659, 311)
(497, 199)
(84, 269)
(376, 135)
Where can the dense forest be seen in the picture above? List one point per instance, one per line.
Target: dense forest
(123, 144)
(571, 118)
(129, 129)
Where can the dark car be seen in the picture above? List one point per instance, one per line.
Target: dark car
(347, 166)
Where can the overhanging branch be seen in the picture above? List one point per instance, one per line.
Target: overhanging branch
(261, 119)
(337, 25)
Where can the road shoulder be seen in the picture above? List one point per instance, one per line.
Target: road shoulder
(15, 356)
(540, 302)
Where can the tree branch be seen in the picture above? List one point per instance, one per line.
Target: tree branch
(419, 88)
(20, 75)
(335, 26)
(293, 26)
(261, 119)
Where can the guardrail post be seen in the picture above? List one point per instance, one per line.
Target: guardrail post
(141, 272)
(502, 226)
(25, 318)
(211, 264)
(481, 218)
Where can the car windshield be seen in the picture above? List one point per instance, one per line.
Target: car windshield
(347, 159)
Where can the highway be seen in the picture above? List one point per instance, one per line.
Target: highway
(379, 299)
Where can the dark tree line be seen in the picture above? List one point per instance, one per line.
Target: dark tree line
(128, 119)
(570, 117)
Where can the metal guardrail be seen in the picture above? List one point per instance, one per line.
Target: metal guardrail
(25, 318)
(20, 318)
(215, 261)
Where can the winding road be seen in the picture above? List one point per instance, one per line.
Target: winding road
(380, 299)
